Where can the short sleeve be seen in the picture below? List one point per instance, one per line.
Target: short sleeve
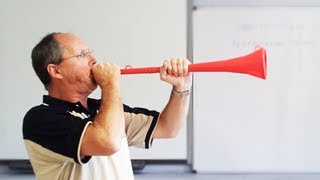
(140, 125)
(56, 130)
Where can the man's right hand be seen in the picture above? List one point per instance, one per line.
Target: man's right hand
(106, 75)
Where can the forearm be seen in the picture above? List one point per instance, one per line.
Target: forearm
(173, 117)
(110, 118)
(103, 136)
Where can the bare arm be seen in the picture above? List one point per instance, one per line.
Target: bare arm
(103, 136)
(174, 115)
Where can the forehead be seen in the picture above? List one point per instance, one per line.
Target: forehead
(70, 42)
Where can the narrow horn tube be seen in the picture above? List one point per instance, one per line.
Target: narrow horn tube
(145, 70)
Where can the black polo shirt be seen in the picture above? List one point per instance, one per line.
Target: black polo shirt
(54, 130)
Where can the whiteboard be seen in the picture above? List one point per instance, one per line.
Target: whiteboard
(245, 124)
(139, 33)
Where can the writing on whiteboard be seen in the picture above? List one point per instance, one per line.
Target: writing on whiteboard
(273, 35)
(248, 43)
(246, 27)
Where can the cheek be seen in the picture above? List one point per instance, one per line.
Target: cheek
(81, 74)
(77, 73)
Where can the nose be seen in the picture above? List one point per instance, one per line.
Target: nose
(92, 60)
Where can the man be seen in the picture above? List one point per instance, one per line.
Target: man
(71, 136)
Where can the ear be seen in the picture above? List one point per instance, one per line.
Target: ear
(54, 71)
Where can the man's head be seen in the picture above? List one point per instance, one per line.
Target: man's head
(63, 59)
(47, 51)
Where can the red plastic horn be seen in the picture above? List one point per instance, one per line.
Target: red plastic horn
(254, 64)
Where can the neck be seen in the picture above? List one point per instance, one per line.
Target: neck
(69, 95)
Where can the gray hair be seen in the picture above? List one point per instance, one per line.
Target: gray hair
(47, 51)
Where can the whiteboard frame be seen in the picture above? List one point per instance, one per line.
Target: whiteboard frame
(204, 3)
(207, 149)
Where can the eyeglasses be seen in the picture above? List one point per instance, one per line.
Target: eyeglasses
(83, 54)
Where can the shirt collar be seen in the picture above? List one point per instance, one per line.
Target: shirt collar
(93, 104)
(48, 100)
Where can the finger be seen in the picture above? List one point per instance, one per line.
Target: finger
(174, 67)
(185, 66)
(169, 67)
(163, 69)
(180, 67)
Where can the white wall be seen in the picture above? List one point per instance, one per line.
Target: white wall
(139, 33)
(245, 124)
